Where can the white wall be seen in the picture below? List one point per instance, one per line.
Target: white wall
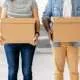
(1, 2)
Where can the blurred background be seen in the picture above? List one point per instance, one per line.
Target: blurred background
(43, 66)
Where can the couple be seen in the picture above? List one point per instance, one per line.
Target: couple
(28, 8)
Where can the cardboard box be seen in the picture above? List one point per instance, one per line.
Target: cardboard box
(0, 11)
(0, 22)
(18, 30)
(66, 29)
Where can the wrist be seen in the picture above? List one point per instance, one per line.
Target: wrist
(37, 34)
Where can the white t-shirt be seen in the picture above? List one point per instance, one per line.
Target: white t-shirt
(20, 8)
(67, 8)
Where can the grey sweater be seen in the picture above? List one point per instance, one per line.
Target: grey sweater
(20, 8)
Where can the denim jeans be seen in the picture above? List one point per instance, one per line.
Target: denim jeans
(12, 53)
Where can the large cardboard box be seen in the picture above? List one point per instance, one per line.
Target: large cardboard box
(0, 22)
(0, 11)
(18, 30)
(66, 29)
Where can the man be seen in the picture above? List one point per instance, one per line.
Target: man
(62, 49)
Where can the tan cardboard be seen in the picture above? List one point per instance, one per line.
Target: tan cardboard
(66, 29)
(18, 30)
(0, 22)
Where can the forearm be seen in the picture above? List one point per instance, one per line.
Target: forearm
(37, 27)
(46, 23)
(37, 21)
(3, 13)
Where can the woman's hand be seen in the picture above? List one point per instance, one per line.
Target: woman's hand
(36, 40)
(2, 40)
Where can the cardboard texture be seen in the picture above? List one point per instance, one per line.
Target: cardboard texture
(18, 30)
(0, 11)
(0, 22)
(66, 29)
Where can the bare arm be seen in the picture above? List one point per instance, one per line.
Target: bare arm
(3, 15)
(46, 18)
(37, 25)
(46, 24)
(4, 12)
(47, 15)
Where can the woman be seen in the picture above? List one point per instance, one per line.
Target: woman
(20, 9)
(63, 50)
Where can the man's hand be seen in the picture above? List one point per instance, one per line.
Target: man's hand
(50, 34)
(36, 40)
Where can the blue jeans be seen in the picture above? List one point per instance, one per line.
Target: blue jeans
(12, 53)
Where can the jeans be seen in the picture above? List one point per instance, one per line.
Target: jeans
(12, 53)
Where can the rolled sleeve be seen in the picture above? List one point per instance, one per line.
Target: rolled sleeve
(48, 10)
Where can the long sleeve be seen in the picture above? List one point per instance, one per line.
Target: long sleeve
(67, 8)
(48, 11)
